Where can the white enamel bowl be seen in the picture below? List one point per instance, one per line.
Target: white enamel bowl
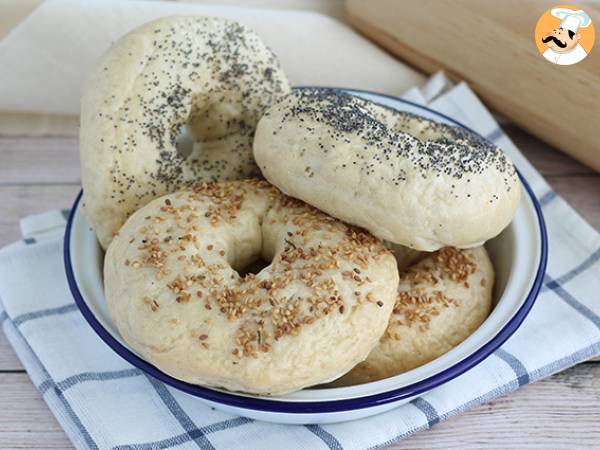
(519, 255)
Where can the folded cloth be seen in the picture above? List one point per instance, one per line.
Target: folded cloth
(61, 40)
(36, 123)
(103, 402)
(14, 11)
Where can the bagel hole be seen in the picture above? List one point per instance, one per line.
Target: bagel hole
(253, 267)
(184, 144)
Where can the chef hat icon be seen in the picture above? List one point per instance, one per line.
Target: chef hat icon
(571, 20)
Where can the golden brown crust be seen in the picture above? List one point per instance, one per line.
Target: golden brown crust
(441, 301)
(419, 184)
(315, 311)
(212, 75)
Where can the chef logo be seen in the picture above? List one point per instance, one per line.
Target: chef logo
(564, 35)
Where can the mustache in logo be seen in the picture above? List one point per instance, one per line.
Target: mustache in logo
(555, 40)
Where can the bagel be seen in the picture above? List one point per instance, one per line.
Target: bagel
(213, 76)
(441, 301)
(404, 178)
(174, 291)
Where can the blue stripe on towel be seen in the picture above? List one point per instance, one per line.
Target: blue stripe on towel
(495, 135)
(572, 301)
(77, 421)
(186, 437)
(547, 198)
(89, 441)
(184, 420)
(427, 408)
(516, 365)
(45, 385)
(29, 241)
(328, 438)
(586, 264)
(71, 381)
(22, 318)
(224, 425)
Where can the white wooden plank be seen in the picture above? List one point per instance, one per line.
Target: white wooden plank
(29, 160)
(8, 358)
(20, 201)
(25, 420)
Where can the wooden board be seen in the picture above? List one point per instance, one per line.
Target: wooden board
(490, 45)
(24, 162)
(25, 421)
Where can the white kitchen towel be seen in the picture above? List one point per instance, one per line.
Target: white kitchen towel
(103, 402)
(46, 58)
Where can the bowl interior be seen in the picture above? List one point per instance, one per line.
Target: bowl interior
(516, 254)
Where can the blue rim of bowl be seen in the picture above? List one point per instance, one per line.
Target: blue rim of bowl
(329, 406)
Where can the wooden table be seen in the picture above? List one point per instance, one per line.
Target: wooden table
(563, 411)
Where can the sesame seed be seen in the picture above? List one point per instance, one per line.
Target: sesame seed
(258, 306)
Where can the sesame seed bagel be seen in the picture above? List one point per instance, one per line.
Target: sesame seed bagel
(316, 310)
(214, 76)
(404, 178)
(441, 301)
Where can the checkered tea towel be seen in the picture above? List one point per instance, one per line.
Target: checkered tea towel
(103, 402)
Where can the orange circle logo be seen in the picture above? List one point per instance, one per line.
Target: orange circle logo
(565, 35)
